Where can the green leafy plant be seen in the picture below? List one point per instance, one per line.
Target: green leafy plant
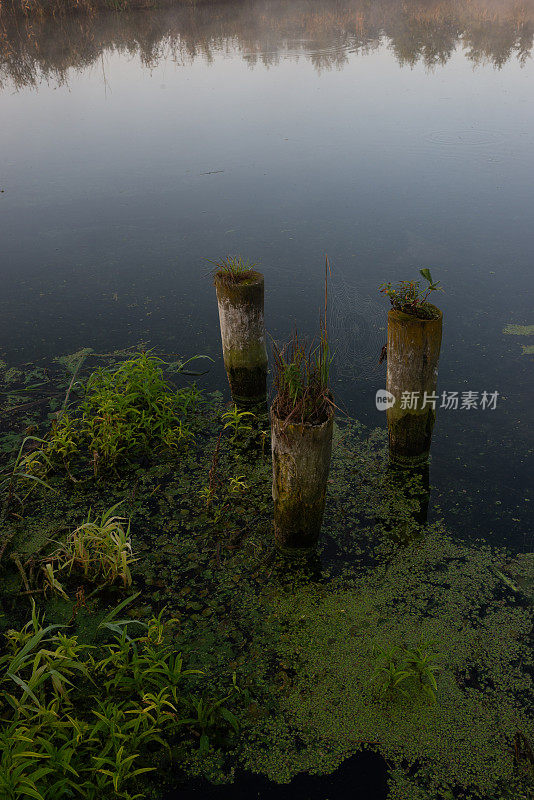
(210, 713)
(237, 484)
(390, 675)
(88, 719)
(101, 549)
(26, 467)
(128, 412)
(424, 664)
(399, 669)
(237, 421)
(410, 297)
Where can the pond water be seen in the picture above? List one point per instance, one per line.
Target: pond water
(135, 146)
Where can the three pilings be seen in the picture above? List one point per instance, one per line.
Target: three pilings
(301, 452)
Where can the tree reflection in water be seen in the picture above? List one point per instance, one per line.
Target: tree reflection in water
(38, 47)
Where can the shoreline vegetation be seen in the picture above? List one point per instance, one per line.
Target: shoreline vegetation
(43, 39)
(152, 637)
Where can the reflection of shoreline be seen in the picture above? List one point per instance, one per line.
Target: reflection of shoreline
(323, 31)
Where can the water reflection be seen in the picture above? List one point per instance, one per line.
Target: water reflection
(323, 32)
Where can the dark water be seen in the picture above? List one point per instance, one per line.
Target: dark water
(135, 146)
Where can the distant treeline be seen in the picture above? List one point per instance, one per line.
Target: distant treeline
(35, 45)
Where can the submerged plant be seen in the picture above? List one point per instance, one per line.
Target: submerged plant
(409, 297)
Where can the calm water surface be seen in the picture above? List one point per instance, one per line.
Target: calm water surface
(135, 146)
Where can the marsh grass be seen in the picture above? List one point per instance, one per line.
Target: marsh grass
(23, 472)
(233, 269)
(302, 373)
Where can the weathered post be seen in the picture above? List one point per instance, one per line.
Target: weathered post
(240, 301)
(412, 371)
(301, 463)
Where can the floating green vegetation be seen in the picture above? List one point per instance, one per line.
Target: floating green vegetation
(519, 330)
(522, 330)
(291, 654)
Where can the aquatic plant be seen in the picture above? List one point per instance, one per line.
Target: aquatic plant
(126, 413)
(400, 668)
(24, 468)
(301, 646)
(91, 718)
(390, 676)
(409, 297)
(233, 269)
(238, 484)
(236, 420)
(101, 549)
(210, 712)
(423, 663)
(302, 373)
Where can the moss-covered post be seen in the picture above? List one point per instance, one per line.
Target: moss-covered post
(243, 336)
(412, 373)
(301, 463)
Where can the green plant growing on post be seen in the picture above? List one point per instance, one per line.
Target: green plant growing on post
(234, 269)
(302, 422)
(410, 298)
(301, 380)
